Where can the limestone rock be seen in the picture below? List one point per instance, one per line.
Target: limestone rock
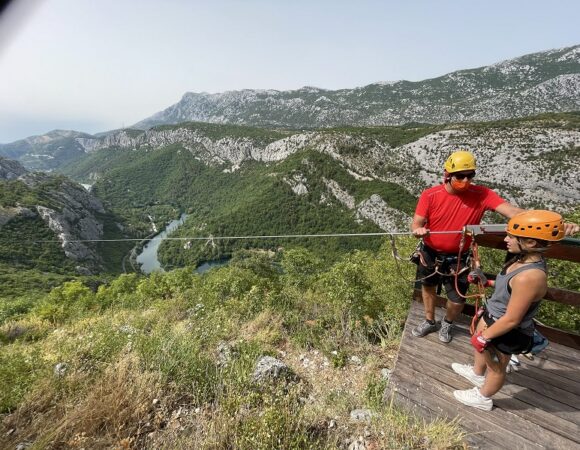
(272, 369)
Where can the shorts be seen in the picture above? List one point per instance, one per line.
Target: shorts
(425, 273)
(513, 342)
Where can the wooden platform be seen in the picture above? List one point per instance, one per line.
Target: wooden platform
(538, 407)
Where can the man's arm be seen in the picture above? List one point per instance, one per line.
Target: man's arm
(418, 226)
(508, 210)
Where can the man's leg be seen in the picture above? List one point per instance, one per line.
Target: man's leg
(429, 296)
(453, 310)
(456, 290)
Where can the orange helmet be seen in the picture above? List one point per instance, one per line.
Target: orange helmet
(537, 224)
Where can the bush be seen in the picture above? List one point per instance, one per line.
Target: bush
(301, 267)
(13, 308)
(19, 368)
(120, 292)
(72, 298)
(180, 360)
(347, 286)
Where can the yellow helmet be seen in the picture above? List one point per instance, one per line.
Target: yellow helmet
(537, 224)
(460, 160)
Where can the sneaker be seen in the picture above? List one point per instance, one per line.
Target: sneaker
(423, 329)
(472, 397)
(466, 371)
(445, 332)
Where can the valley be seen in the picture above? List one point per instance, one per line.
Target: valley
(100, 352)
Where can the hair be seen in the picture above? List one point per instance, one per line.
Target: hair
(541, 247)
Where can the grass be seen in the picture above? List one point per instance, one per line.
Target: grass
(166, 361)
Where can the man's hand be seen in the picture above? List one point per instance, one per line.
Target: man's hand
(476, 276)
(418, 226)
(571, 228)
(420, 232)
(479, 342)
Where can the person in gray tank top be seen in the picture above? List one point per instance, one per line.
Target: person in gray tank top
(506, 326)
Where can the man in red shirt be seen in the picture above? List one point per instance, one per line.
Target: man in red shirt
(447, 207)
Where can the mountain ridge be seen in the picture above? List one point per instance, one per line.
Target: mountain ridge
(540, 82)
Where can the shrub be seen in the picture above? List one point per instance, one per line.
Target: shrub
(19, 367)
(71, 298)
(120, 292)
(13, 308)
(300, 267)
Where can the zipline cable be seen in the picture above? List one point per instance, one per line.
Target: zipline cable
(214, 238)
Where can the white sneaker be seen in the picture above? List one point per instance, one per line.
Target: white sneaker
(472, 397)
(466, 371)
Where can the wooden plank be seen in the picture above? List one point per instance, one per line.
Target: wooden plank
(563, 404)
(555, 353)
(569, 400)
(545, 370)
(433, 404)
(551, 363)
(545, 429)
(566, 338)
(564, 423)
(527, 387)
(571, 383)
(563, 296)
(476, 435)
(556, 357)
(539, 377)
(447, 354)
(457, 351)
(422, 391)
(562, 350)
(554, 407)
(567, 249)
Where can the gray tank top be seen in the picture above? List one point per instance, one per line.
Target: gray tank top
(497, 304)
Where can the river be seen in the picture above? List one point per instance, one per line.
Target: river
(148, 257)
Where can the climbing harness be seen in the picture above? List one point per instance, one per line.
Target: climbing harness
(419, 257)
(469, 261)
(474, 266)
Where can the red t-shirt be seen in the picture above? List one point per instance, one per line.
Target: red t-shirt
(450, 212)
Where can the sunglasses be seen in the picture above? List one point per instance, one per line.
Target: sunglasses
(462, 176)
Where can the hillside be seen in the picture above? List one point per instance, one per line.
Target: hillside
(532, 84)
(45, 152)
(526, 86)
(276, 350)
(232, 180)
(246, 357)
(43, 219)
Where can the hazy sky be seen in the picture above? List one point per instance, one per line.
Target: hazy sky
(96, 65)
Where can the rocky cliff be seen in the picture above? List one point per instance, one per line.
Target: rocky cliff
(527, 163)
(68, 209)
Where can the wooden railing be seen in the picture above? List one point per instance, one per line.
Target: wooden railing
(567, 249)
